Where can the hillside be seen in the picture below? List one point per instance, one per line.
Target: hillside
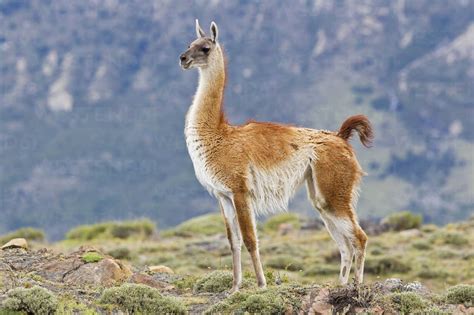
(131, 267)
(92, 101)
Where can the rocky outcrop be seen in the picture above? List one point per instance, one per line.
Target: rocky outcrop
(71, 269)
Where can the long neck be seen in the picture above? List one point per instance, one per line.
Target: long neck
(206, 112)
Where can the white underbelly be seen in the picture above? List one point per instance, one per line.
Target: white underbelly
(271, 189)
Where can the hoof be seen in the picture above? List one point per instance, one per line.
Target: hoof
(233, 290)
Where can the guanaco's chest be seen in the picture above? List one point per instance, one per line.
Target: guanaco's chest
(203, 167)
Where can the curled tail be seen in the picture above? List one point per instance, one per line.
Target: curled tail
(362, 125)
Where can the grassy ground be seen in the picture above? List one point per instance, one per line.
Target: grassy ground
(438, 256)
(301, 263)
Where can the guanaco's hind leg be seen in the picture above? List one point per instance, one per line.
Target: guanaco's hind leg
(246, 219)
(235, 239)
(335, 206)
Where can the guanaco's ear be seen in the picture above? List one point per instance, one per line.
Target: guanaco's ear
(199, 32)
(214, 31)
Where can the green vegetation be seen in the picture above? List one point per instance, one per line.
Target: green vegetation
(120, 253)
(214, 282)
(36, 300)
(421, 245)
(67, 305)
(408, 302)
(385, 265)
(208, 224)
(274, 222)
(92, 257)
(404, 220)
(274, 300)
(28, 233)
(285, 262)
(449, 238)
(137, 229)
(138, 298)
(461, 294)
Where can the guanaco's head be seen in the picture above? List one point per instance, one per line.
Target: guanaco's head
(202, 51)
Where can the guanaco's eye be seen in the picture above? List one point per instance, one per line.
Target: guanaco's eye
(205, 49)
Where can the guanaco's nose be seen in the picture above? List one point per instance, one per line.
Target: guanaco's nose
(182, 57)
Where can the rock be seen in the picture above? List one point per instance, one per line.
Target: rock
(393, 284)
(145, 279)
(320, 304)
(7, 277)
(161, 269)
(16, 243)
(415, 286)
(106, 272)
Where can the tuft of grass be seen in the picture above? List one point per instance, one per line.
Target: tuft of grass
(35, 300)
(385, 265)
(186, 282)
(120, 253)
(404, 220)
(92, 257)
(28, 233)
(421, 245)
(429, 273)
(461, 294)
(209, 224)
(273, 300)
(67, 305)
(135, 229)
(320, 270)
(449, 238)
(274, 222)
(408, 302)
(214, 282)
(217, 281)
(285, 262)
(141, 299)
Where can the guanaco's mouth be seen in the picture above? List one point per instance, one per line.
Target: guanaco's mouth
(186, 64)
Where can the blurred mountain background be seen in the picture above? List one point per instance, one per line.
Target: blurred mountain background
(92, 101)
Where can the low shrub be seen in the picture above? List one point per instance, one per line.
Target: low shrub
(428, 273)
(137, 229)
(274, 222)
(320, 270)
(404, 220)
(285, 262)
(35, 300)
(218, 281)
(449, 238)
(421, 245)
(120, 253)
(408, 302)
(274, 300)
(384, 265)
(28, 233)
(461, 294)
(139, 298)
(209, 224)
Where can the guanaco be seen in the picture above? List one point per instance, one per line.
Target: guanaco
(256, 168)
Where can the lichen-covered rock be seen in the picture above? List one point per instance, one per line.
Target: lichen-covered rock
(106, 272)
(71, 269)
